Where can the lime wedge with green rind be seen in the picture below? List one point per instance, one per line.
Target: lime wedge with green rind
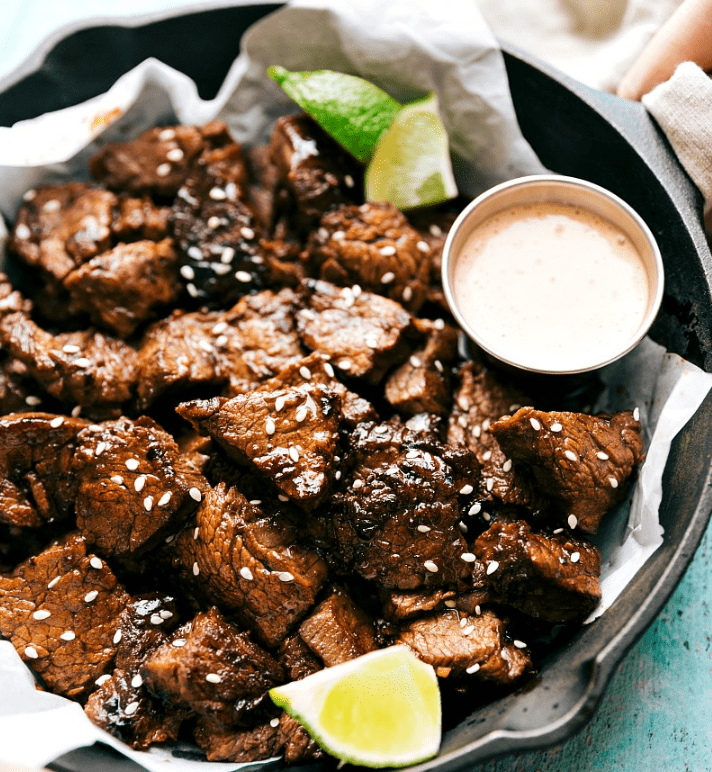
(379, 710)
(352, 110)
(410, 165)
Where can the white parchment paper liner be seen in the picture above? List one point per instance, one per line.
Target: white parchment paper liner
(409, 48)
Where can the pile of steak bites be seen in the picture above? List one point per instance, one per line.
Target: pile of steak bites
(239, 445)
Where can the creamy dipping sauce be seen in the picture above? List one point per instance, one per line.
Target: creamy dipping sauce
(551, 286)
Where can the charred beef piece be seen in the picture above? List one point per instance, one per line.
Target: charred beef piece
(297, 659)
(290, 436)
(422, 383)
(314, 171)
(134, 487)
(338, 630)
(363, 334)
(398, 606)
(548, 576)
(583, 462)
(156, 162)
(461, 646)
(215, 229)
(144, 625)
(395, 519)
(249, 564)
(85, 369)
(126, 286)
(213, 668)
(59, 227)
(480, 400)
(61, 610)
(37, 484)
(373, 246)
(138, 219)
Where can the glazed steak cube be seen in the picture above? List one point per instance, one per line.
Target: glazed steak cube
(457, 645)
(371, 245)
(126, 286)
(144, 625)
(59, 227)
(297, 659)
(134, 487)
(582, 462)
(36, 481)
(338, 630)
(552, 577)
(61, 610)
(290, 436)
(212, 667)
(77, 368)
(156, 162)
(249, 564)
(363, 334)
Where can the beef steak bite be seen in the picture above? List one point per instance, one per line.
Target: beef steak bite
(459, 645)
(249, 564)
(582, 462)
(548, 576)
(59, 227)
(213, 668)
(61, 610)
(144, 624)
(290, 436)
(371, 245)
(422, 383)
(363, 334)
(84, 368)
(338, 630)
(156, 162)
(395, 518)
(481, 399)
(137, 219)
(37, 484)
(134, 487)
(297, 659)
(314, 172)
(126, 286)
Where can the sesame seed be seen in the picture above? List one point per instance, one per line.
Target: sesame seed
(387, 277)
(372, 343)
(70, 348)
(603, 456)
(117, 636)
(178, 643)
(196, 253)
(55, 423)
(139, 482)
(174, 154)
(423, 247)
(136, 681)
(195, 494)
(196, 568)
(520, 644)
(463, 622)
(492, 566)
(558, 530)
(557, 427)
(415, 361)
(217, 194)
(132, 464)
(101, 680)
(227, 255)
(305, 372)
(337, 474)
(388, 250)
(462, 527)
(90, 596)
(329, 370)
(96, 562)
(473, 668)
(478, 610)
(507, 465)
(231, 190)
(29, 195)
(439, 366)
(349, 181)
(435, 230)
(221, 341)
(100, 448)
(468, 557)
(41, 614)
(247, 233)
(164, 499)
(196, 532)
(163, 170)
(166, 135)
(131, 708)
(412, 454)
(381, 429)
(338, 235)
(475, 509)
(613, 482)
(255, 502)
(424, 528)
(243, 276)
(575, 557)
(468, 630)
(148, 503)
(213, 678)
(82, 362)
(192, 290)
(285, 576)
(357, 484)
(68, 635)
(486, 516)
(214, 222)
(407, 294)
(572, 520)
(31, 652)
(535, 424)
(476, 430)
(118, 479)
(486, 424)
(636, 414)
(344, 364)
(439, 324)
(274, 723)
(51, 206)
(245, 573)
(53, 582)
(489, 484)
(571, 455)
(301, 414)
(430, 566)
(156, 619)
(466, 490)
(294, 454)
(32, 401)
(187, 272)
(270, 427)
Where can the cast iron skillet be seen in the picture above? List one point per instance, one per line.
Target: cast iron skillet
(575, 131)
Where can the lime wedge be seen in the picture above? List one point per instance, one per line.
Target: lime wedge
(411, 165)
(379, 710)
(352, 110)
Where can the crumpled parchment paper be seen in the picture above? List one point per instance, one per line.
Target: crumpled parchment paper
(408, 47)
